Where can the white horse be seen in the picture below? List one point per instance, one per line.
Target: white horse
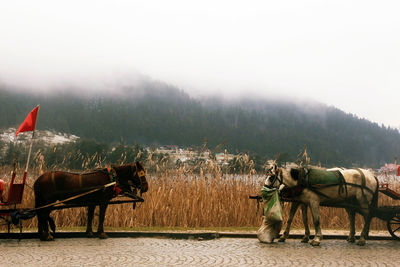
(357, 192)
(293, 209)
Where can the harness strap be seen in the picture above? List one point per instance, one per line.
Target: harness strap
(274, 178)
(73, 197)
(342, 183)
(317, 192)
(111, 174)
(375, 197)
(363, 183)
(315, 187)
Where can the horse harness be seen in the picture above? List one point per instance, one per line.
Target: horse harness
(135, 172)
(140, 174)
(276, 177)
(305, 183)
(113, 174)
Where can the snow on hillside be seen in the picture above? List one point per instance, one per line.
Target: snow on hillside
(48, 137)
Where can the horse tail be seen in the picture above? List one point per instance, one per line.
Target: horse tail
(36, 190)
(39, 201)
(374, 202)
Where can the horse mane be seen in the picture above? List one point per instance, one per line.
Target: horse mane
(137, 164)
(105, 170)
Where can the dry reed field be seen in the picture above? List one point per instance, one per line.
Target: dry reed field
(182, 197)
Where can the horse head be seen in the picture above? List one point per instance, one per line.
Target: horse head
(131, 175)
(140, 178)
(274, 175)
(279, 177)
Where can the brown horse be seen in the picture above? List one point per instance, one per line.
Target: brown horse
(58, 185)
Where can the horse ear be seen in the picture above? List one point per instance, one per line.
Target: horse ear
(295, 174)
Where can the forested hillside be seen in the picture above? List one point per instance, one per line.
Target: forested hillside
(161, 114)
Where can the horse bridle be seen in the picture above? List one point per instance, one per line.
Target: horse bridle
(141, 175)
(277, 176)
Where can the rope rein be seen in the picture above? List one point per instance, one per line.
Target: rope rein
(72, 198)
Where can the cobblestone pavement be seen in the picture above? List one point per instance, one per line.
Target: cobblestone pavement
(217, 252)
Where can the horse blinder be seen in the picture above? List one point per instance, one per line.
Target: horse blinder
(141, 176)
(143, 182)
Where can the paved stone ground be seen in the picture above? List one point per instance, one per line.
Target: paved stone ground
(217, 252)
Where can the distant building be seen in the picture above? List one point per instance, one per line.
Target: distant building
(389, 173)
(190, 154)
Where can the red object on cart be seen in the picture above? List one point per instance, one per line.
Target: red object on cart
(15, 192)
(1, 190)
(1, 185)
(384, 188)
(398, 170)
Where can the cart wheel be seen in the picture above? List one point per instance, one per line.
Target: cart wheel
(393, 226)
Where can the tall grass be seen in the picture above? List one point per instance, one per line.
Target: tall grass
(189, 196)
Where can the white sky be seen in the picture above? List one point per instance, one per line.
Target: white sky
(342, 53)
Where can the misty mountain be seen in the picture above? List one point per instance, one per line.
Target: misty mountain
(157, 113)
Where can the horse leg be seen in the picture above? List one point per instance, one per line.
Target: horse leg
(102, 214)
(43, 218)
(351, 213)
(306, 237)
(367, 221)
(40, 225)
(51, 223)
(40, 218)
(90, 214)
(47, 222)
(314, 206)
(293, 208)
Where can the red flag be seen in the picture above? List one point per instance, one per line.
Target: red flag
(29, 123)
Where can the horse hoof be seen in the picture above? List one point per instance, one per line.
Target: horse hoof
(351, 239)
(361, 242)
(314, 243)
(47, 238)
(103, 236)
(89, 234)
(305, 240)
(282, 239)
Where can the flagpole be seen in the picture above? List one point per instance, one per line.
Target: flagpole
(30, 151)
(30, 148)
(14, 161)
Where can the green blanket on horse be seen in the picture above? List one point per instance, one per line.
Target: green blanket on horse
(314, 177)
